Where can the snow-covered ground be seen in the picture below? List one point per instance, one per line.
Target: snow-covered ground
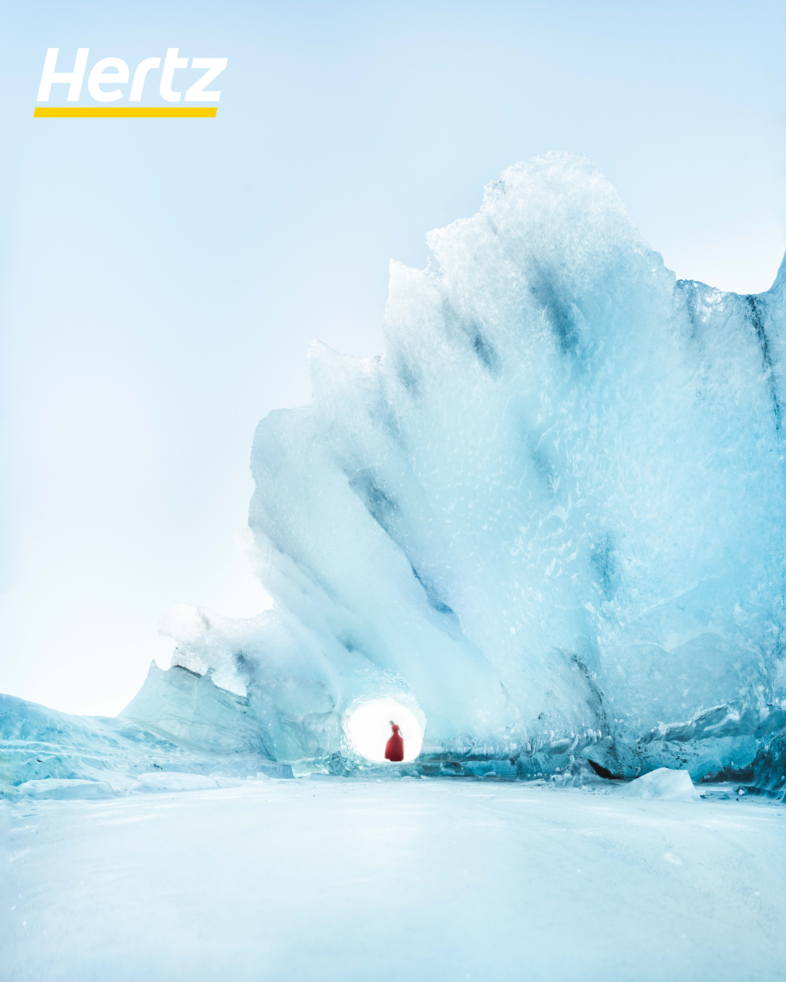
(406, 880)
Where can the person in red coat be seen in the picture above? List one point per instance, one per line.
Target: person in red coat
(394, 748)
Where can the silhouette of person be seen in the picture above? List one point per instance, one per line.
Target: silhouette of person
(394, 748)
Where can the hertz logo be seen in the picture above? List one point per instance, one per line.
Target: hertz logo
(114, 72)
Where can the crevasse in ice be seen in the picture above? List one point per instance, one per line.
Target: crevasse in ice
(549, 517)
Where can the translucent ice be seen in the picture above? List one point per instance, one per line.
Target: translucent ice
(663, 783)
(550, 515)
(197, 733)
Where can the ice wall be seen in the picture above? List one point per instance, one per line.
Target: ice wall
(179, 729)
(550, 515)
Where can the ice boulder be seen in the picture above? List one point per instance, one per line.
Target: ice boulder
(664, 783)
(550, 517)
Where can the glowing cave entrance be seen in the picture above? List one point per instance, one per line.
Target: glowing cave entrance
(368, 728)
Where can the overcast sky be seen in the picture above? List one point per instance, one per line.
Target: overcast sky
(162, 279)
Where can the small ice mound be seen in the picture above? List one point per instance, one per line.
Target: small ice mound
(65, 789)
(368, 728)
(664, 784)
(174, 781)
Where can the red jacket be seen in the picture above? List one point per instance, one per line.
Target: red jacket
(394, 748)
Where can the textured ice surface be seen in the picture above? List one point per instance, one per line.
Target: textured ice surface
(424, 881)
(550, 515)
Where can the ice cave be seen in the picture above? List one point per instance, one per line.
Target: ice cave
(546, 522)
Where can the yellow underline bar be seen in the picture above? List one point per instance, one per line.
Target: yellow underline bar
(126, 111)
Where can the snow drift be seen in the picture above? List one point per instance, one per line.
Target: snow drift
(548, 519)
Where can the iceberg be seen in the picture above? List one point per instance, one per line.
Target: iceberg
(548, 519)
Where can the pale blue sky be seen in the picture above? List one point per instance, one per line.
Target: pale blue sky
(162, 279)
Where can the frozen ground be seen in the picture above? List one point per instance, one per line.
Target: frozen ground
(413, 880)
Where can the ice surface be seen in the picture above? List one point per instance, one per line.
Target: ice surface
(428, 881)
(550, 516)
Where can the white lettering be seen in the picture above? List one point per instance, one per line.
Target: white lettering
(50, 77)
(139, 77)
(115, 71)
(196, 92)
(171, 62)
(98, 77)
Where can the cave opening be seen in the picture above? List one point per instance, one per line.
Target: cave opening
(368, 728)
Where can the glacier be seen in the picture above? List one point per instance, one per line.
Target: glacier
(548, 519)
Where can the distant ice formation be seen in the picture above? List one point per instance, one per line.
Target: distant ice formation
(198, 737)
(549, 518)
